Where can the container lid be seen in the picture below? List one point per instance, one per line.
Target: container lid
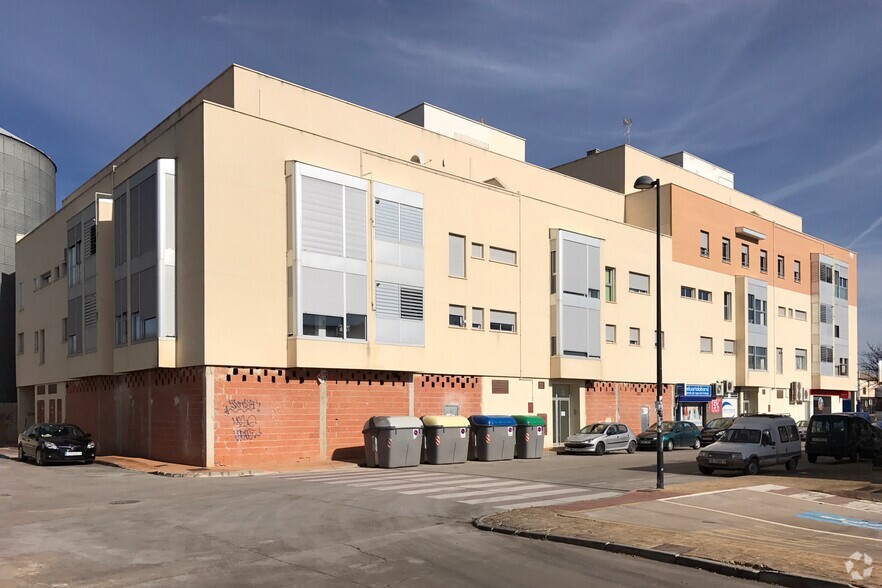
(445, 421)
(393, 422)
(529, 419)
(492, 420)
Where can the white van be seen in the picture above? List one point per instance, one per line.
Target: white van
(753, 442)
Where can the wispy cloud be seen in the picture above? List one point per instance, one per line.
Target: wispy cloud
(873, 226)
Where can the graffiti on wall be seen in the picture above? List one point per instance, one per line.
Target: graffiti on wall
(244, 414)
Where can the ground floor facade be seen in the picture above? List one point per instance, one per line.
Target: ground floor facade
(243, 417)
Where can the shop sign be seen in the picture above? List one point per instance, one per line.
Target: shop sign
(695, 392)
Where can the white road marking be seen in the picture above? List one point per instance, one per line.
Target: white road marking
(526, 495)
(559, 500)
(414, 478)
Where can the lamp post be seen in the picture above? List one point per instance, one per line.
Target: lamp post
(643, 183)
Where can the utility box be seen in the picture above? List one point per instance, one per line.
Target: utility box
(445, 439)
(530, 436)
(392, 441)
(493, 437)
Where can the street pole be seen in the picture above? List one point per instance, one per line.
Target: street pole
(660, 450)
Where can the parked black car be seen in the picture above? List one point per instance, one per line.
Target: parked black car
(47, 442)
(840, 436)
(712, 431)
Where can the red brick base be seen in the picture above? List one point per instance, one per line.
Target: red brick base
(600, 402)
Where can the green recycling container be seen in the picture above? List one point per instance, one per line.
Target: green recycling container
(530, 438)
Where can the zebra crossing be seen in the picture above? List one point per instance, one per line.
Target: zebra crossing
(482, 491)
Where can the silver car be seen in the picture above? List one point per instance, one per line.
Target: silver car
(598, 438)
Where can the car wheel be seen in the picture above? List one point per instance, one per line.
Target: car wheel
(696, 444)
(812, 457)
(705, 470)
(669, 445)
(752, 467)
(40, 458)
(792, 464)
(88, 461)
(632, 447)
(599, 449)
(21, 454)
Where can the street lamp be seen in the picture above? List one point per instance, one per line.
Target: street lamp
(643, 183)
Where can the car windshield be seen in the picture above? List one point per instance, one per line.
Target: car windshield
(594, 429)
(802, 424)
(60, 431)
(719, 424)
(741, 436)
(666, 427)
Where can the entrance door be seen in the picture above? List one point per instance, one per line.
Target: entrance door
(693, 414)
(560, 408)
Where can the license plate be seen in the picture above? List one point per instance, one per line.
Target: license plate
(72, 453)
(715, 460)
(819, 439)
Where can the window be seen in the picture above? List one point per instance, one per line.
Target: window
(756, 358)
(745, 255)
(121, 314)
(797, 272)
(826, 354)
(727, 306)
(610, 284)
(20, 343)
(503, 256)
(638, 283)
(705, 295)
(477, 251)
(19, 300)
(729, 346)
(842, 367)
(789, 313)
(725, 249)
(634, 336)
(456, 316)
(836, 331)
(553, 265)
(503, 321)
(687, 292)
(63, 330)
(610, 333)
(42, 346)
(36, 341)
(841, 287)
(825, 271)
(756, 310)
(655, 338)
(707, 344)
(782, 311)
(478, 318)
(801, 359)
(779, 360)
(826, 312)
(799, 315)
(45, 279)
(456, 256)
(704, 244)
(764, 261)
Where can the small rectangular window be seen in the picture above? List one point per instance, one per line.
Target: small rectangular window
(655, 338)
(553, 266)
(781, 266)
(456, 256)
(687, 292)
(764, 261)
(477, 251)
(789, 313)
(779, 360)
(782, 311)
(478, 318)
(729, 346)
(707, 344)
(21, 344)
(610, 333)
(634, 336)
(799, 315)
(503, 321)
(36, 341)
(705, 296)
(745, 255)
(64, 330)
(610, 284)
(456, 316)
(797, 272)
(503, 255)
(42, 346)
(638, 283)
(826, 354)
(727, 306)
(704, 244)
(725, 250)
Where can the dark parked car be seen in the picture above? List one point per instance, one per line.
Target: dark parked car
(840, 436)
(712, 431)
(47, 442)
(674, 434)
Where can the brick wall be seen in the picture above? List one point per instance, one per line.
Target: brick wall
(600, 402)
(432, 392)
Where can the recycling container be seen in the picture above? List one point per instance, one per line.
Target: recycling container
(529, 438)
(492, 437)
(445, 439)
(392, 441)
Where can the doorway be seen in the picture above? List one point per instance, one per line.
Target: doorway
(560, 410)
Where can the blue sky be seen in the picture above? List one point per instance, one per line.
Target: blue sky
(788, 95)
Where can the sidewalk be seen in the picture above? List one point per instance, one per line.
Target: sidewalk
(776, 529)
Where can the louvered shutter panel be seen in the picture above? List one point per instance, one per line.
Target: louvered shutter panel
(411, 221)
(321, 292)
(386, 220)
(575, 330)
(411, 303)
(575, 269)
(356, 224)
(356, 294)
(387, 300)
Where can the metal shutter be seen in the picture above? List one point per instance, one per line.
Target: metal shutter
(322, 224)
(574, 340)
(356, 224)
(411, 222)
(456, 256)
(321, 292)
(386, 220)
(574, 268)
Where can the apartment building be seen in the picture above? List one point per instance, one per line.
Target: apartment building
(270, 266)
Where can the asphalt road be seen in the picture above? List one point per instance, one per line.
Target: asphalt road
(101, 526)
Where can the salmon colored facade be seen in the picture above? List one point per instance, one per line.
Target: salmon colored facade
(270, 266)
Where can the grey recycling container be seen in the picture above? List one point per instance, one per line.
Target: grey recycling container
(493, 437)
(530, 436)
(393, 441)
(445, 439)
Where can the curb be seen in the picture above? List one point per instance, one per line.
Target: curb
(725, 569)
(209, 474)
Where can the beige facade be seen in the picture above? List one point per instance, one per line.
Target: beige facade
(237, 147)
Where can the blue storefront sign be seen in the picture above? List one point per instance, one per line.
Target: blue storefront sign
(695, 392)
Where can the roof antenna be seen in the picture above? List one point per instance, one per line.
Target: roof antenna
(626, 122)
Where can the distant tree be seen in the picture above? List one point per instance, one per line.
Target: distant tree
(869, 361)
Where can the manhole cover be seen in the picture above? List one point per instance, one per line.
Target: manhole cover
(125, 502)
(671, 548)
